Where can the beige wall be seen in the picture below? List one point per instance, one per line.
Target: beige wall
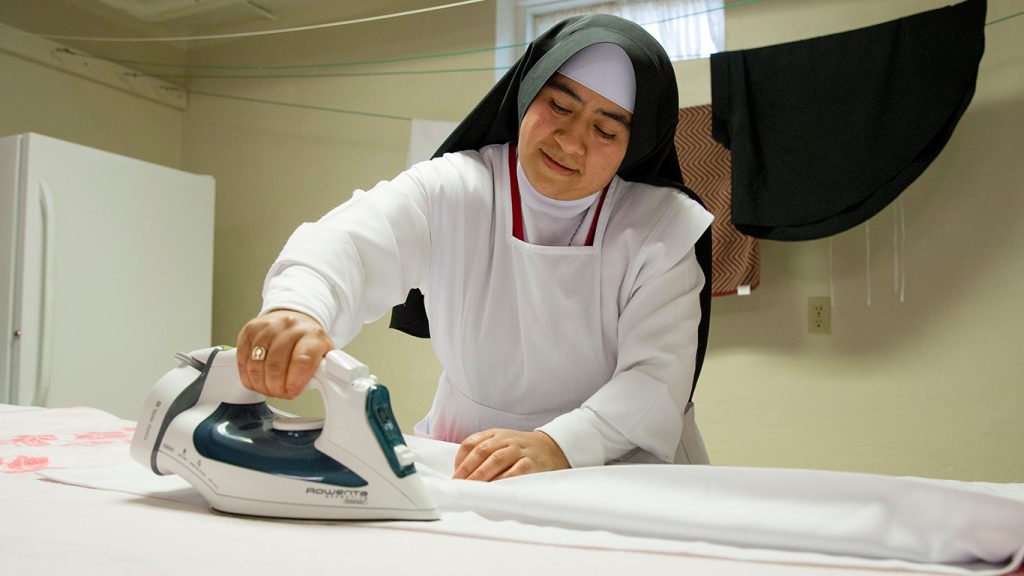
(927, 386)
(277, 167)
(37, 98)
(79, 99)
(930, 385)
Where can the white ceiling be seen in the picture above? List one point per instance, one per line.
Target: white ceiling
(195, 10)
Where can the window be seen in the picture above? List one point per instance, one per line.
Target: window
(686, 28)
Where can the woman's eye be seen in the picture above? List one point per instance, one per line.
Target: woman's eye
(603, 134)
(559, 109)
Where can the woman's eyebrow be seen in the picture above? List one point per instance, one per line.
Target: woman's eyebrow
(561, 87)
(555, 84)
(621, 119)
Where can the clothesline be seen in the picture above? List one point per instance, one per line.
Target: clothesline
(301, 106)
(434, 71)
(490, 69)
(300, 66)
(338, 23)
(399, 117)
(349, 74)
(261, 32)
(417, 57)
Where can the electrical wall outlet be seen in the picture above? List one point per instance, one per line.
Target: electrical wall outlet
(819, 315)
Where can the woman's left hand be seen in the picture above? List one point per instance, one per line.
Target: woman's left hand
(499, 453)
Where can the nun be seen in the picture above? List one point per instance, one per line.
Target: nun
(550, 251)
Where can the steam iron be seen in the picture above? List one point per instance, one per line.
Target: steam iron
(200, 423)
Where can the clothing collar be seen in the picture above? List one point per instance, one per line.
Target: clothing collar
(534, 200)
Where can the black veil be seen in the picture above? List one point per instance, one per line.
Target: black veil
(650, 157)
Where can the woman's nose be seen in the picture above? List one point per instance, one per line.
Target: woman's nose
(570, 136)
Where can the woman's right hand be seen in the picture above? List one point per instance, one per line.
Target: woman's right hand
(293, 345)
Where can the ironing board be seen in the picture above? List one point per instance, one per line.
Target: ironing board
(49, 526)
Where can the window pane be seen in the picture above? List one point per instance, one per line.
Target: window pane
(686, 28)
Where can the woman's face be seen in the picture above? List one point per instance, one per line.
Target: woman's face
(572, 140)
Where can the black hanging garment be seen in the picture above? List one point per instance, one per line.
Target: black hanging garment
(650, 157)
(826, 132)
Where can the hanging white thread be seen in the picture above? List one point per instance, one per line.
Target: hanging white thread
(903, 251)
(899, 244)
(831, 277)
(896, 250)
(867, 272)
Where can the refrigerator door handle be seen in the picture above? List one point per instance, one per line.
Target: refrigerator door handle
(49, 293)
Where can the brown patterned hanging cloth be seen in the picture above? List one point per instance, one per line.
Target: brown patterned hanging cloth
(706, 166)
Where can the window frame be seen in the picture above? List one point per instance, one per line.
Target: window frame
(514, 27)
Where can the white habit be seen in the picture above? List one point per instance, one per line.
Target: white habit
(594, 345)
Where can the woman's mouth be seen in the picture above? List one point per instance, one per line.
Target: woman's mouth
(556, 166)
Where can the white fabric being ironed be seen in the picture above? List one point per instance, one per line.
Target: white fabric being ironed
(593, 345)
(966, 527)
(785, 517)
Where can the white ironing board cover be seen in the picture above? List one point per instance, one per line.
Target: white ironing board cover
(796, 517)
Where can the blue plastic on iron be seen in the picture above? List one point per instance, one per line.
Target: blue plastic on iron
(385, 428)
(242, 435)
(184, 401)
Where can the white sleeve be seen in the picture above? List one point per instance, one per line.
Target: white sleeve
(300, 288)
(642, 405)
(355, 263)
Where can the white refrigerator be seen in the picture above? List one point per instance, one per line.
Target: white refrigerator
(106, 270)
